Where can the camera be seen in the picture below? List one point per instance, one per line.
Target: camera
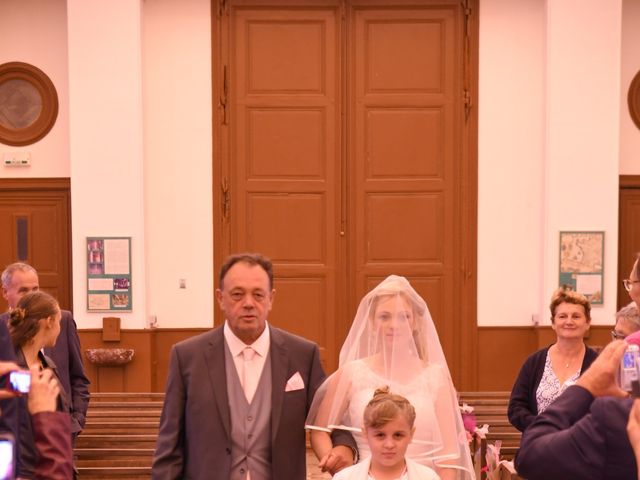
(18, 381)
(7, 456)
(629, 365)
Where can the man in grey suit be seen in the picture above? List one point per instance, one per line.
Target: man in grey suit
(19, 279)
(237, 396)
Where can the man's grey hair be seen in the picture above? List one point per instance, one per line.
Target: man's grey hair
(631, 314)
(7, 274)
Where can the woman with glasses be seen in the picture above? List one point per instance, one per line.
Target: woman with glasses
(627, 322)
(548, 372)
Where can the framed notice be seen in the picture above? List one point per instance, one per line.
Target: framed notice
(109, 274)
(582, 263)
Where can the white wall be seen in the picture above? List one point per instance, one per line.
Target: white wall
(178, 161)
(629, 133)
(511, 155)
(583, 132)
(548, 148)
(107, 169)
(35, 32)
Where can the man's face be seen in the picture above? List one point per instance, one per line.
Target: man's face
(245, 299)
(21, 284)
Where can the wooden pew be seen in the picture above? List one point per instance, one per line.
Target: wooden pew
(491, 408)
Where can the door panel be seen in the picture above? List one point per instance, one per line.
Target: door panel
(345, 155)
(405, 158)
(285, 157)
(35, 214)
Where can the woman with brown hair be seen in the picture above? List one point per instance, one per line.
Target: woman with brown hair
(548, 372)
(33, 325)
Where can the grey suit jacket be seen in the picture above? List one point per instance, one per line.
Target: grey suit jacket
(194, 440)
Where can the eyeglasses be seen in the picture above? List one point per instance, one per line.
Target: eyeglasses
(628, 284)
(617, 336)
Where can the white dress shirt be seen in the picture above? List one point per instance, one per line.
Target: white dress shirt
(254, 368)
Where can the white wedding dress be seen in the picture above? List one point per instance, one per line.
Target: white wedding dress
(428, 446)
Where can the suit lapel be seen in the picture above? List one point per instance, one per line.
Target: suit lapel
(279, 370)
(214, 358)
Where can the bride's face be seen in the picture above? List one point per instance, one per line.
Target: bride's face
(393, 318)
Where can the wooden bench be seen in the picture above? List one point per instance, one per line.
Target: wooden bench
(491, 408)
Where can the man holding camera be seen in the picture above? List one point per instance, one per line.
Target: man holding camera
(237, 396)
(21, 278)
(583, 433)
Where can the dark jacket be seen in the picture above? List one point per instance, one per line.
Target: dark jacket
(28, 456)
(578, 437)
(67, 356)
(523, 406)
(8, 406)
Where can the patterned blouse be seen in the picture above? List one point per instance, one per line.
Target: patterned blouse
(550, 388)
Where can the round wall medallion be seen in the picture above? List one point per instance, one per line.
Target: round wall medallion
(634, 99)
(28, 104)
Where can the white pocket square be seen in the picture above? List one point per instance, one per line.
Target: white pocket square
(294, 383)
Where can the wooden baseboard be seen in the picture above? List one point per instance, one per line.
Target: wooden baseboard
(501, 352)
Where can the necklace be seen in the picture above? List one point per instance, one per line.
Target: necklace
(568, 361)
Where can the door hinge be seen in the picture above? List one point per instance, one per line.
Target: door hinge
(467, 16)
(226, 198)
(222, 7)
(467, 104)
(223, 95)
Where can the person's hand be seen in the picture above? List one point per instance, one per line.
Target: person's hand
(6, 367)
(43, 395)
(600, 378)
(338, 458)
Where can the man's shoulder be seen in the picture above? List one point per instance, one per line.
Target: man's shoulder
(290, 339)
(200, 339)
(66, 318)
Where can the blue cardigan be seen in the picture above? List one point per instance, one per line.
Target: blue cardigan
(523, 406)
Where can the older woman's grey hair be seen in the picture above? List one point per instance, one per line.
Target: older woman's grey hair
(628, 319)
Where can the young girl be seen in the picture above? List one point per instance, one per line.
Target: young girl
(388, 427)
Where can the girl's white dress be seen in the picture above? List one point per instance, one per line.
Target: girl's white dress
(360, 471)
(430, 443)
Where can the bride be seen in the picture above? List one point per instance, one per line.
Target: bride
(393, 342)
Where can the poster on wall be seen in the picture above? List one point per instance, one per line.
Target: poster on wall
(582, 263)
(109, 274)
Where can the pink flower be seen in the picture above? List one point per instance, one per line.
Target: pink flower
(469, 422)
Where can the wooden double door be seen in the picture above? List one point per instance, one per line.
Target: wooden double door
(344, 149)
